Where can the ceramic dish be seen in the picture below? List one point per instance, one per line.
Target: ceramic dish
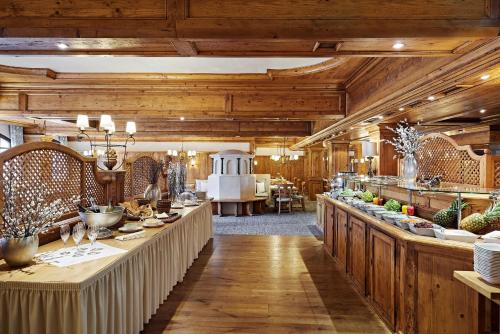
(130, 228)
(457, 235)
(425, 231)
(152, 222)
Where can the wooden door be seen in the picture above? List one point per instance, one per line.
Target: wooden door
(328, 228)
(357, 253)
(382, 275)
(341, 239)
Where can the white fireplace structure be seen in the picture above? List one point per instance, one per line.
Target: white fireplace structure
(232, 176)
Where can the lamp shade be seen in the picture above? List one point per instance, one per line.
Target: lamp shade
(369, 149)
(131, 128)
(106, 123)
(82, 121)
(112, 128)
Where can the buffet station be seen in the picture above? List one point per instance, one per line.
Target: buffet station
(400, 239)
(77, 256)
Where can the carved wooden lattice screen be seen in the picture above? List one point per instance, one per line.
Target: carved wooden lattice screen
(442, 156)
(496, 172)
(137, 171)
(51, 170)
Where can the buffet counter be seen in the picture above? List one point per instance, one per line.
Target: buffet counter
(116, 294)
(407, 278)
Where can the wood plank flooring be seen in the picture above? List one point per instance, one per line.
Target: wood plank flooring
(264, 284)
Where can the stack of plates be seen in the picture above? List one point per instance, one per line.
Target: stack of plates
(487, 261)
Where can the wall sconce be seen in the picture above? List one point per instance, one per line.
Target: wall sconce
(193, 162)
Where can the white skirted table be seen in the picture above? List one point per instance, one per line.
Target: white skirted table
(116, 294)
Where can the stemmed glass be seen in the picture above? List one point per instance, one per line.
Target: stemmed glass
(78, 233)
(92, 233)
(64, 230)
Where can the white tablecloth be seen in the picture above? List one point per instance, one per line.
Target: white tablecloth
(119, 298)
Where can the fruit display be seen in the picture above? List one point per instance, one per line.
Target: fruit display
(367, 196)
(404, 209)
(392, 205)
(477, 221)
(448, 217)
(410, 210)
(375, 200)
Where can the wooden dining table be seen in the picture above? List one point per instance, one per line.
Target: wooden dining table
(115, 294)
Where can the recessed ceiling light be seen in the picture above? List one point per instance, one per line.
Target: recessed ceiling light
(398, 45)
(380, 117)
(62, 46)
(485, 77)
(431, 98)
(401, 109)
(182, 118)
(482, 111)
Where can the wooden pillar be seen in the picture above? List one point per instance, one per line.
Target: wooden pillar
(386, 163)
(315, 170)
(114, 188)
(338, 157)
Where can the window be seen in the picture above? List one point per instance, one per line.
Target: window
(4, 143)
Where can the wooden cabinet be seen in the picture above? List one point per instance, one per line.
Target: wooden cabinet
(341, 237)
(382, 275)
(357, 253)
(328, 230)
(444, 305)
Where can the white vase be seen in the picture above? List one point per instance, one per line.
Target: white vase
(410, 169)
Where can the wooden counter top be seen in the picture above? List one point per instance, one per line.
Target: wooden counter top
(78, 275)
(475, 282)
(397, 232)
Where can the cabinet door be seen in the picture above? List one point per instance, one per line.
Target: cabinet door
(328, 228)
(341, 230)
(357, 253)
(382, 275)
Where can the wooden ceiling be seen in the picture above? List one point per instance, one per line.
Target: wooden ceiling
(448, 45)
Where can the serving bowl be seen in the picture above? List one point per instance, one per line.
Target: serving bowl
(103, 219)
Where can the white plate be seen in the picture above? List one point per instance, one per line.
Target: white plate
(130, 229)
(456, 235)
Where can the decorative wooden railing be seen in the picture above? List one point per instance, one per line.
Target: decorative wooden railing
(441, 155)
(56, 170)
(495, 170)
(137, 172)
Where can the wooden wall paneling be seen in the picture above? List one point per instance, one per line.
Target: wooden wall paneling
(289, 170)
(338, 158)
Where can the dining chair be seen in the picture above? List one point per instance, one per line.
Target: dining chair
(299, 198)
(284, 198)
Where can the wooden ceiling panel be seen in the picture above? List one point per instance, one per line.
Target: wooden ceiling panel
(87, 45)
(236, 47)
(340, 9)
(150, 9)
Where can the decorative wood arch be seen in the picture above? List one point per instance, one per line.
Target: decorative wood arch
(62, 171)
(441, 155)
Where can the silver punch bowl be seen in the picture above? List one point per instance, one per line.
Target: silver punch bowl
(103, 219)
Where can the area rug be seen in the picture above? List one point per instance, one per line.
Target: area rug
(297, 223)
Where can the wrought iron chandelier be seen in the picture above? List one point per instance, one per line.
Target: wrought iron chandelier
(107, 124)
(281, 156)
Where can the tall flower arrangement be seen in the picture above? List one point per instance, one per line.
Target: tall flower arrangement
(407, 140)
(22, 218)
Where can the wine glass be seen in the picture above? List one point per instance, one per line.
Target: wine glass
(78, 233)
(92, 233)
(64, 230)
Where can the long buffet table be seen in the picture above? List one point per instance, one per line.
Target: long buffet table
(116, 294)
(406, 278)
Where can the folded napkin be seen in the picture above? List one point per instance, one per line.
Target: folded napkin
(136, 235)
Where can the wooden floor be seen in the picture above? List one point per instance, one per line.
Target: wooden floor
(264, 284)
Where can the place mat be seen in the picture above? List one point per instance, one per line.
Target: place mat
(66, 257)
